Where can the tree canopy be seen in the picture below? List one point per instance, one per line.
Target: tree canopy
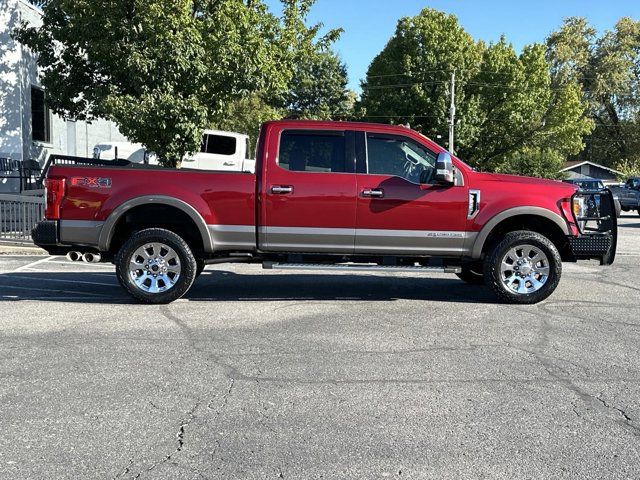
(608, 71)
(317, 88)
(507, 108)
(164, 71)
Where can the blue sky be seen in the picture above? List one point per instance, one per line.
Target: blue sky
(368, 24)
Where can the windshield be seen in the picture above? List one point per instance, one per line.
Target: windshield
(590, 184)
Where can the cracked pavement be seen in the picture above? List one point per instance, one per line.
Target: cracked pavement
(263, 374)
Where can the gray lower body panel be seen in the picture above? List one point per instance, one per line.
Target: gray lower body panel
(307, 240)
(302, 239)
(414, 242)
(80, 232)
(233, 237)
(365, 241)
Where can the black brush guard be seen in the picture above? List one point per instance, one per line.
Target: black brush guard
(598, 237)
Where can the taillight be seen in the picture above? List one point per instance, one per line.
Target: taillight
(54, 188)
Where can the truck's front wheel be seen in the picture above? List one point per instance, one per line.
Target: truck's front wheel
(156, 266)
(525, 267)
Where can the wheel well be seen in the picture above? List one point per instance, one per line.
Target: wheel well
(156, 216)
(534, 223)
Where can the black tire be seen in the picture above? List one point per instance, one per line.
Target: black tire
(493, 262)
(472, 273)
(625, 209)
(188, 265)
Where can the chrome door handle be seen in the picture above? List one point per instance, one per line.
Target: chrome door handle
(282, 189)
(373, 192)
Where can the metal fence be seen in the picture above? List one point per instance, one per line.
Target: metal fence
(18, 176)
(18, 215)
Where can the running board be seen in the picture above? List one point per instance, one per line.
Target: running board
(357, 267)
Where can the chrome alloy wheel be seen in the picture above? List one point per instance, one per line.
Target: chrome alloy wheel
(155, 267)
(524, 269)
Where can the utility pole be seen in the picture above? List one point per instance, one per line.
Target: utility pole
(452, 112)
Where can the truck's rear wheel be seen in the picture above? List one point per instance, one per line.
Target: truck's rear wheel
(523, 268)
(156, 266)
(472, 273)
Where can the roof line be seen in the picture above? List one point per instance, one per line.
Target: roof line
(591, 163)
(33, 7)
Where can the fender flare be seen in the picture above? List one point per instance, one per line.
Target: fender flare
(481, 238)
(108, 229)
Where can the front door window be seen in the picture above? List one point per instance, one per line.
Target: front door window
(401, 157)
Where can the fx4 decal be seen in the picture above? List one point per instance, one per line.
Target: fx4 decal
(91, 182)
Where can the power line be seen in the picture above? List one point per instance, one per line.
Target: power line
(504, 86)
(448, 71)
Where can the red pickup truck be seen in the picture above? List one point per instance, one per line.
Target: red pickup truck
(327, 195)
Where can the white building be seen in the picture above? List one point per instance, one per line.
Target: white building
(28, 130)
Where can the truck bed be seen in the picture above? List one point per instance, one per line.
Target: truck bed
(93, 192)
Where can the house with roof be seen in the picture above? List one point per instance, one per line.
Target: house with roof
(585, 169)
(28, 129)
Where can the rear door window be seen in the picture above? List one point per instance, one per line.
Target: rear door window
(313, 151)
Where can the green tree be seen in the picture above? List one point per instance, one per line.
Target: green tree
(608, 69)
(521, 112)
(506, 105)
(532, 162)
(247, 114)
(317, 88)
(408, 82)
(164, 71)
(628, 168)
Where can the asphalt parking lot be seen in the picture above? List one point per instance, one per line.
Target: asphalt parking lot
(264, 374)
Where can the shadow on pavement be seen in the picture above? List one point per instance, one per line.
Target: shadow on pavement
(626, 225)
(224, 286)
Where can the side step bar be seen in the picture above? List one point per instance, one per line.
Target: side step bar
(357, 267)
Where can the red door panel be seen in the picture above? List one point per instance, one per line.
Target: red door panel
(409, 218)
(306, 206)
(396, 214)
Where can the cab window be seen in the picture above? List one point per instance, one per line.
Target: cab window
(401, 157)
(633, 183)
(218, 145)
(312, 151)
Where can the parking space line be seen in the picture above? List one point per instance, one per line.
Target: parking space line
(30, 289)
(97, 274)
(33, 264)
(59, 280)
(84, 264)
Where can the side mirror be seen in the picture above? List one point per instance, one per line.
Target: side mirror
(444, 169)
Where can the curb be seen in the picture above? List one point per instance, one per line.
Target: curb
(21, 250)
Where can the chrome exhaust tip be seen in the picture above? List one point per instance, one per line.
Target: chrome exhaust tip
(91, 257)
(74, 256)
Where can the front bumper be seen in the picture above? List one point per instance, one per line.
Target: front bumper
(599, 228)
(590, 246)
